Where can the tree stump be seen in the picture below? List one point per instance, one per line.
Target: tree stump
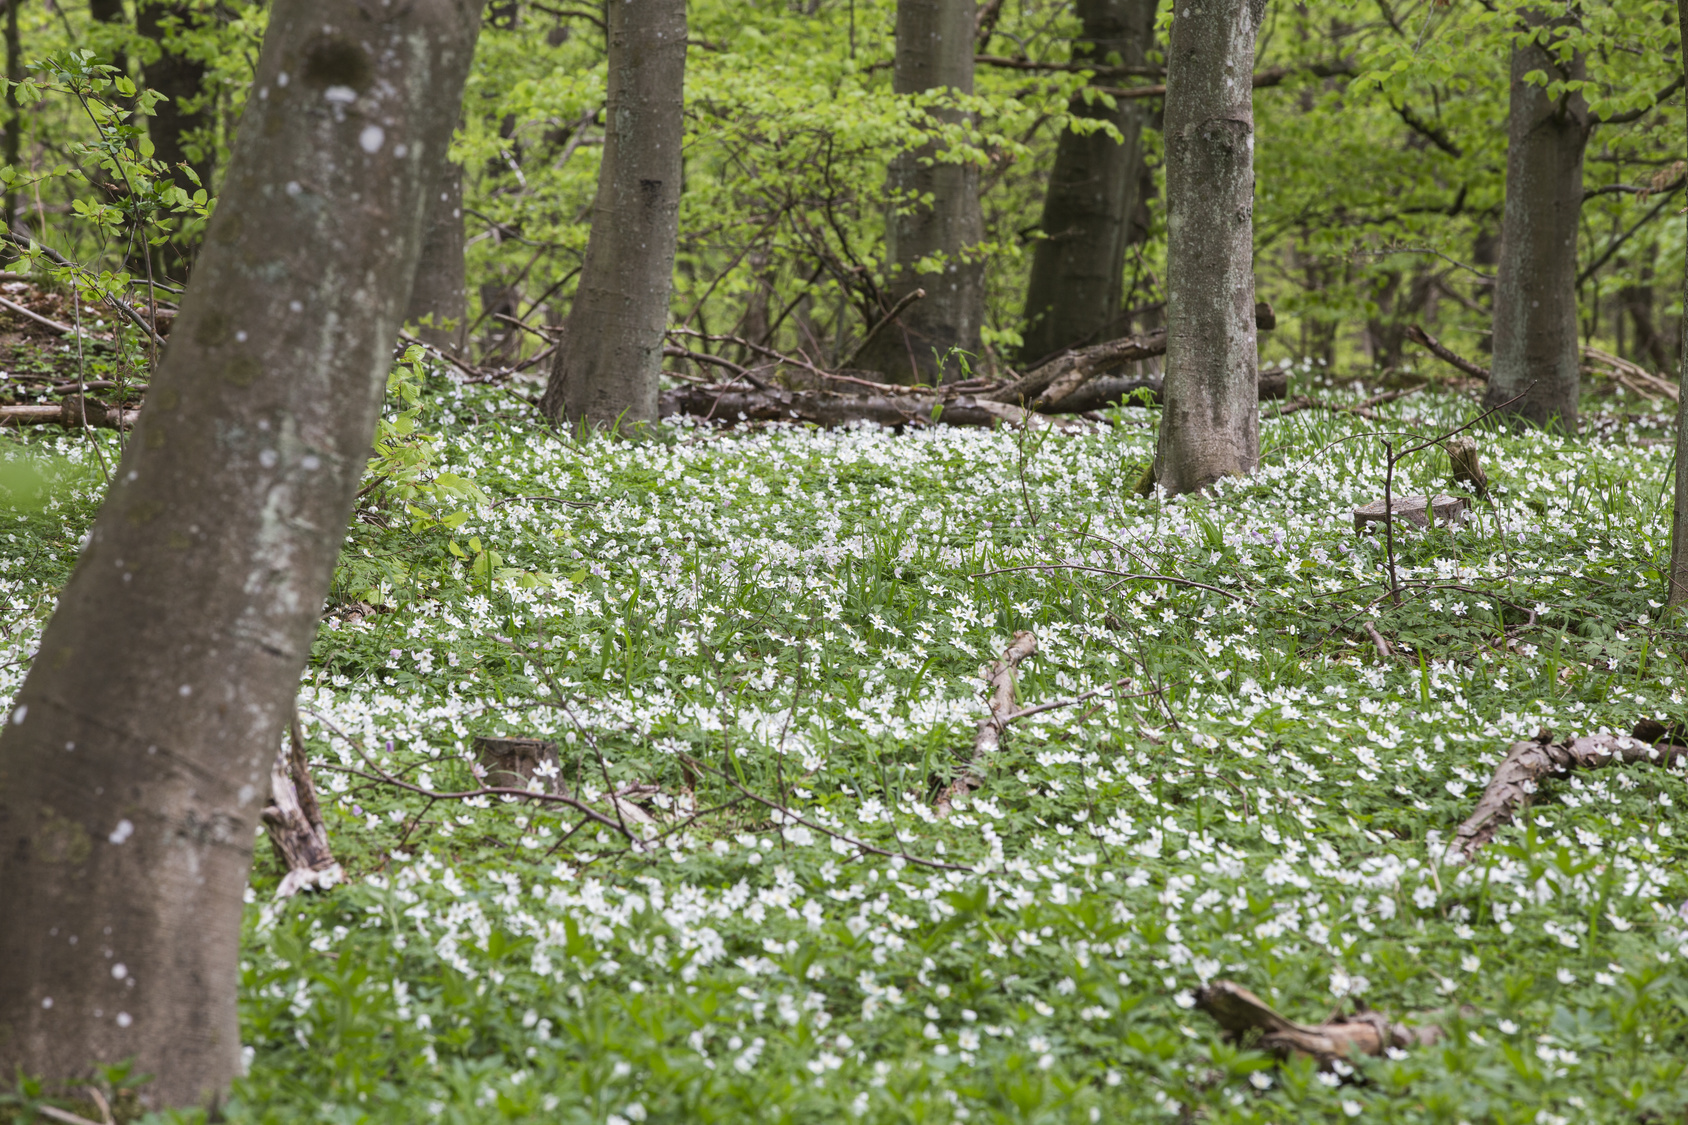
(1468, 468)
(1414, 511)
(513, 762)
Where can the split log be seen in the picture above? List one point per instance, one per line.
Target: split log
(1528, 764)
(1247, 1019)
(1414, 510)
(988, 740)
(1446, 354)
(70, 414)
(293, 820)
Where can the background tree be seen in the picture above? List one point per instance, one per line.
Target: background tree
(439, 300)
(1210, 423)
(126, 835)
(1677, 577)
(181, 124)
(1078, 267)
(934, 56)
(608, 361)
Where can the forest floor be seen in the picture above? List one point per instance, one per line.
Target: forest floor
(769, 642)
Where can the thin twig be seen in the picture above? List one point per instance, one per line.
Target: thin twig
(1121, 574)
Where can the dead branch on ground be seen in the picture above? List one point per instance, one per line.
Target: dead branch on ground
(71, 413)
(1247, 1019)
(1446, 354)
(1528, 764)
(988, 740)
(1631, 375)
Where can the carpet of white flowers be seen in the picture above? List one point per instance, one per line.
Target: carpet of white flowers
(772, 638)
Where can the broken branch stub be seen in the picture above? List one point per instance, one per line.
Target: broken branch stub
(1414, 510)
(1247, 1019)
(1527, 764)
(988, 740)
(1468, 467)
(293, 821)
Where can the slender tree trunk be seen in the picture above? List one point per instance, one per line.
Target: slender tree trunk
(1535, 337)
(126, 831)
(1677, 594)
(606, 370)
(1078, 268)
(180, 78)
(1210, 424)
(439, 300)
(14, 115)
(934, 51)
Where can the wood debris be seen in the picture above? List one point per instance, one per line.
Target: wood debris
(293, 821)
(1249, 1020)
(1415, 511)
(1001, 681)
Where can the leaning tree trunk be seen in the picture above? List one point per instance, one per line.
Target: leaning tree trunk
(439, 300)
(1078, 268)
(136, 759)
(1678, 592)
(1535, 322)
(934, 51)
(1210, 425)
(180, 77)
(606, 370)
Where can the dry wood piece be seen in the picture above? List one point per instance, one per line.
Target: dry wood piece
(1060, 376)
(13, 306)
(1468, 467)
(294, 823)
(1447, 355)
(1631, 375)
(1246, 1018)
(511, 763)
(1527, 764)
(1416, 511)
(830, 408)
(1379, 641)
(70, 413)
(989, 738)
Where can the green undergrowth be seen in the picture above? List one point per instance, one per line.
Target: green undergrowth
(770, 639)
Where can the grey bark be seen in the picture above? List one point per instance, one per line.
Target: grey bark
(126, 831)
(439, 299)
(1078, 267)
(607, 366)
(1678, 581)
(934, 52)
(176, 119)
(1210, 426)
(1535, 322)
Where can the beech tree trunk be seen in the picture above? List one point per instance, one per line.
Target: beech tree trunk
(1210, 425)
(180, 78)
(136, 759)
(1677, 594)
(439, 300)
(1535, 324)
(1078, 268)
(606, 368)
(934, 51)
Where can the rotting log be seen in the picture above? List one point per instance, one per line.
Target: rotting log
(513, 762)
(1528, 764)
(72, 413)
(831, 408)
(1414, 510)
(1247, 1019)
(988, 740)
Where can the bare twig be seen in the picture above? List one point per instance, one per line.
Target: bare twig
(61, 329)
(988, 739)
(1121, 574)
(1384, 651)
(1447, 355)
(882, 324)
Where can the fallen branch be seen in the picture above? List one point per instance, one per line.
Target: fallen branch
(1527, 764)
(61, 329)
(1247, 1019)
(71, 413)
(1447, 355)
(1632, 375)
(830, 408)
(1377, 639)
(989, 737)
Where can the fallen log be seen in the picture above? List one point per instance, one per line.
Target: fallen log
(71, 413)
(988, 740)
(1528, 764)
(1249, 1020)
(1057, 378)
(831, 408)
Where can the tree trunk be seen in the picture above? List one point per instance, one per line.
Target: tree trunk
(136, 758)
(180, 78)
(934, 51)
(1078, 268)
(1210, 426)
(1677, 594)
(439, 300)
(607, 365)
(1535, 337)
(14, 115)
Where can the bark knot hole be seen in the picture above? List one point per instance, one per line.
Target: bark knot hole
(331, 60)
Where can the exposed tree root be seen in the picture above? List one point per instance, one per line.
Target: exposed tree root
(1527, 764)
(989, 737)
(1247, 1019)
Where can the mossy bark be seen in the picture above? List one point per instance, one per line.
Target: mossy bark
(136, 758)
